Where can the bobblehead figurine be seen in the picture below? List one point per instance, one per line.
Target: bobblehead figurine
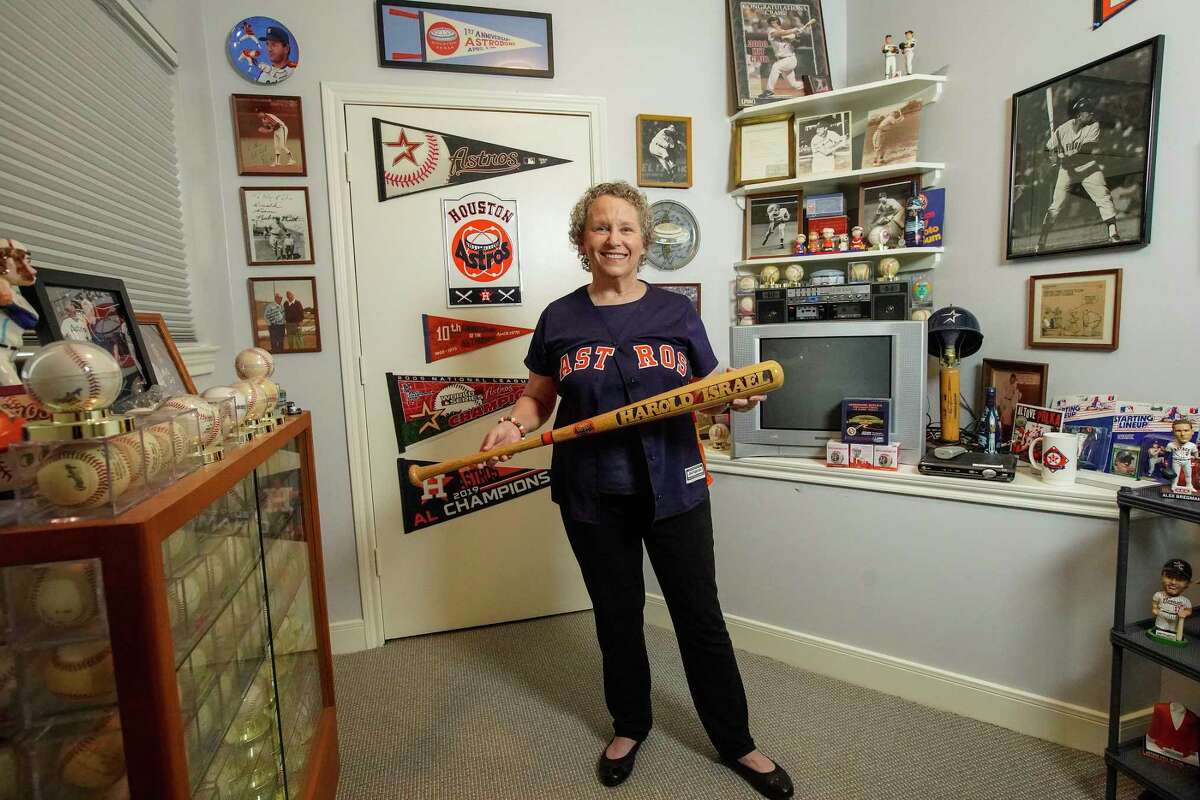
(1169, 607)
(16, 314)
(890, 51)
(908, 47)
(1185, 459)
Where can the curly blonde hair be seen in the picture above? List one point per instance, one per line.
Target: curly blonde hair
(620, 190)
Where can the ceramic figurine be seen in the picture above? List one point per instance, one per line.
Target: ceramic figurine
(814, 243)
(1169, 607)
(799, 247)
(16, 314)
(856, 238)
(828, 241)
(1185, 458)
(908, 47)
(890, 51)
(843, 242)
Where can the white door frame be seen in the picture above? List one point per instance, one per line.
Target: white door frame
(334, 99)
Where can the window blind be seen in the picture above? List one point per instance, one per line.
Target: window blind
(88, 172)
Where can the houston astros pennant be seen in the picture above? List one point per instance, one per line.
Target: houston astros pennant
(445, 336)
(409, 159)
(424, 406)
(462, 492)
(482, 264)
(451, 38)
(1107, 9)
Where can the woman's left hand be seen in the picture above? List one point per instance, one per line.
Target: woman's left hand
(745, 403)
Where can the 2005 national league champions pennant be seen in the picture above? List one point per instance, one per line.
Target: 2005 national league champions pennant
(463, 491)
(409, 159)
(1106, 9)
(445, 336)
(424, 406)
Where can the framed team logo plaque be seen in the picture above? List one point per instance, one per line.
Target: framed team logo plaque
(1081, 173)
(775, 46)
(262, 50)
(483, 267)
(268, 132)
(772, 223)
(457, 38)
(664, 151)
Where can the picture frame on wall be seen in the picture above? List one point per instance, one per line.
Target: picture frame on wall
(775, 45)
(664, 151)
(764, 149)
(457, 38)
(92, 308)
(1016, 382)
(1081, 163)
(1074, 310)
(893, 134)
(169, 367)
(823, 144)
(284, 315)
(689, 290)
(268, 134)
(881, 209)
(771, 224)
(276, 225)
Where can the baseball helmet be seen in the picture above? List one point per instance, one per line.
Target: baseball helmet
(954, 325)
(1178, 568)
(1083, 104)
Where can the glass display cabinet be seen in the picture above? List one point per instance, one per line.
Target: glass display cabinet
(178, 650)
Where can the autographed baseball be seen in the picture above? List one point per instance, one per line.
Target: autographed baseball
(271, 390)
(210, 424)
(769, 275)
(80, 672)
(746, 305)
(130, 447)
(81, 477)
(256, 402)
(794, 273)
(170, 441)
(746, 283)
(95, 760)
(216, 394)
(718, 434)
(64, 596)
(73, 376)
(254, 362)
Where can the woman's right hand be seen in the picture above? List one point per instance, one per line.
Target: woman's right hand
(502, 433)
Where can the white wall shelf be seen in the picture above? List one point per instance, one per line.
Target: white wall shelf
(911, 258)
(824, 182)
(859, 99)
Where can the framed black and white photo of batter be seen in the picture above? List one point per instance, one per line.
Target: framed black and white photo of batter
(772, 224)
(823, 144)
(664, 151)
(775, 45)
(1082, 160)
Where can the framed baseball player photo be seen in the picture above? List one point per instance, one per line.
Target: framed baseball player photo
(775, 45)
(268, 133)
(277, 225)
(664, 151)
(1081, 173)
(772, 224)
(893, 134)
(881, 210)
(283, 313)
(169, 367)
(823, 144)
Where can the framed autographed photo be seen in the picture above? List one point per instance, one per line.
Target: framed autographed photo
(1016, 382)
(96, 309)
(764, 149)
(775, 46)
(455, 38)
(664, 151)
(276, 225)
(772, 223)
(1074, 310)
(823, 144)
(283, 313)
(1081, 173)
(268, 133)
(169, 369)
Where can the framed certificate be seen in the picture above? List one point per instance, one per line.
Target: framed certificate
(764, 149)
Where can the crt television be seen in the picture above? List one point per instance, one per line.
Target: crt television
(824, 362)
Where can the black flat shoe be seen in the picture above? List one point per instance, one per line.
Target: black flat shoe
(613, 772)
(776, 784)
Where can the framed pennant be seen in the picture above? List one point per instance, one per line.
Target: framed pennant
(424, 406)
(409, 159)
(446, 336)
(463, 491)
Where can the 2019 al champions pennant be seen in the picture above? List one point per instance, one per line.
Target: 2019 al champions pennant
(463, 491)
(409, 159)
(424, 406)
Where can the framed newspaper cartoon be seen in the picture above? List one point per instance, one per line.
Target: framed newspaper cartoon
(775, 46)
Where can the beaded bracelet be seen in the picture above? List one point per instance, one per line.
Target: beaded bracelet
(514, 421)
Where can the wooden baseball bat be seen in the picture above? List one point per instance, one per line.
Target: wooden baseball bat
(766, 376)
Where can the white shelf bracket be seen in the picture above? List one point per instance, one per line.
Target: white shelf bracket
(935, 177)
(739, 200)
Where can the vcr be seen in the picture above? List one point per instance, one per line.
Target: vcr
(889, 300)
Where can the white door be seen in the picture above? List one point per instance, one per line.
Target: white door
(511, 561)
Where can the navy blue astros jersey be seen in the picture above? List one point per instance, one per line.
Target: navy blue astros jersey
(606, 357)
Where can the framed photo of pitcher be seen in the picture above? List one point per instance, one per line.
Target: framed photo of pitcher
(664, 151)
(268, 132)
(1074, 310)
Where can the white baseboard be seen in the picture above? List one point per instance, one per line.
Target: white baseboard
(1044, 717)
(349, 636)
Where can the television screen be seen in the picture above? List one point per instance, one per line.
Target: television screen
(820, 372)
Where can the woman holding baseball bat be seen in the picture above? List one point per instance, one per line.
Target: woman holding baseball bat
(615, 341)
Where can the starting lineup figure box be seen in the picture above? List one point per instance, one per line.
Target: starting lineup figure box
(1092, 415)
(1153, 436)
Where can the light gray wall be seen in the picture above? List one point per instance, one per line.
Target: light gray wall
(989, 51)
(668, 57)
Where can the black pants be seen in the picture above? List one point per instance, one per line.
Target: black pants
(681, 551)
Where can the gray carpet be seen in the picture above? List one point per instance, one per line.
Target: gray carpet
(516, 711)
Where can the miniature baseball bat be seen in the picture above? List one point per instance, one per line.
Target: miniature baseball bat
(766, 376)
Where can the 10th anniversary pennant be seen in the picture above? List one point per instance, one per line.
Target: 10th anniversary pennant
(409, 159)
(446, 336)
(424, 406)
(462, 492)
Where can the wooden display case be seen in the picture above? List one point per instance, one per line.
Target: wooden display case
(179, 650)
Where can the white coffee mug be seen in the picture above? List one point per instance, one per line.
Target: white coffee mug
(1059, 458)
